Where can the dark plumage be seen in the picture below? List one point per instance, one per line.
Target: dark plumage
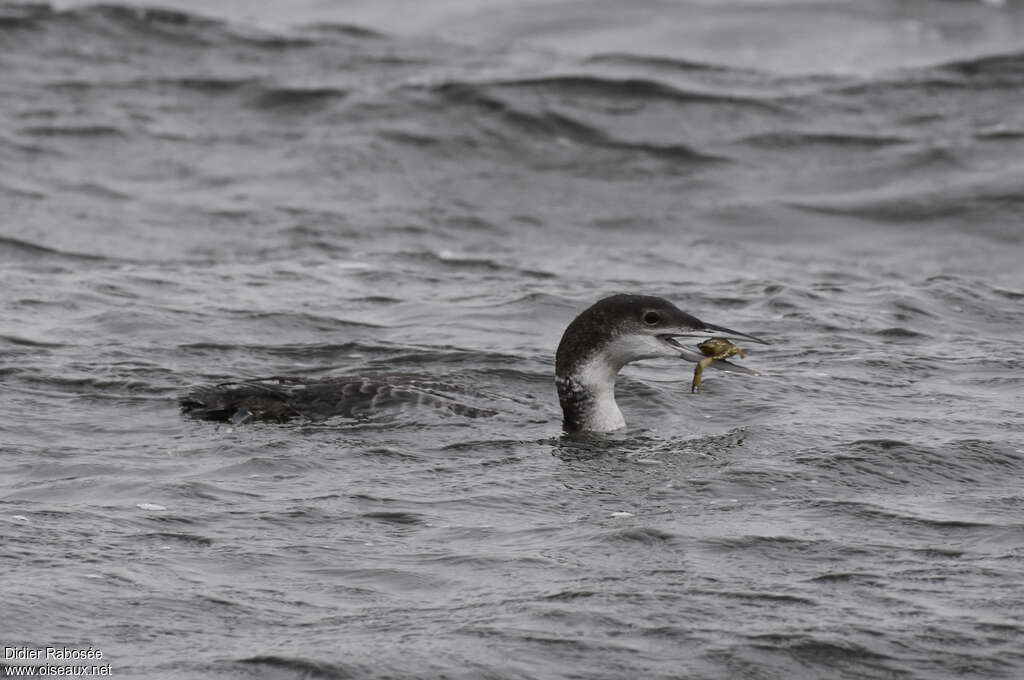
(609, 317)
(595, 346)
(283, 398)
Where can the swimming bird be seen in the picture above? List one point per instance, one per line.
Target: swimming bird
(601, 340)
(616, 331)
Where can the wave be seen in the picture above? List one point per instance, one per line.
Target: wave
(348, 30)
(979, 197)
(561, 126)
(169, 26)
(796, 139)
(93, 387)
(24, 15)
(16, 248)
(989, 72)
(255, 93)
(73, 131)
(615, 89)
(838, 654)
(889, 462)
(311, 669)
(294, 98)
(29, 342)
(1004, 68)
(674, 64)
(109, 19)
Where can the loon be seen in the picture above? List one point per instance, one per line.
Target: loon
(596, 345)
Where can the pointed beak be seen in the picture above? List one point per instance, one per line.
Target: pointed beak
(706, 331)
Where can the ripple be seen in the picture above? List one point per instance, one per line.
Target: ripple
(395, 517)
(305, 668)
(15, 247)
(628, 88)
(84, 131)
(561, 126)
(295, 99)
(793, 140)
(643, 535)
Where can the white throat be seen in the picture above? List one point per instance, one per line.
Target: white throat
(587, 393)
(596, 377)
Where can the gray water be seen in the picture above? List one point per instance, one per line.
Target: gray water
(433, 191)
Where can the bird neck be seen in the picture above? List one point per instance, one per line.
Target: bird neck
(586, 391)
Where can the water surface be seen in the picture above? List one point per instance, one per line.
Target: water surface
(301, 190)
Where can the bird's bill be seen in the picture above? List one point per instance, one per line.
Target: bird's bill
(706, 332)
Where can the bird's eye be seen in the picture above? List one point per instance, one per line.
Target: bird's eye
(652, 318)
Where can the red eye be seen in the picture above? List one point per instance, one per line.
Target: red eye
(652, 318)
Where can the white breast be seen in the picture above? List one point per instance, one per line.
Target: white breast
(597, 378)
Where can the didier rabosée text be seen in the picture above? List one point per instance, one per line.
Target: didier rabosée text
(51, 654)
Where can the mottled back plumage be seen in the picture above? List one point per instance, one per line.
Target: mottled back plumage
(283, 398)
